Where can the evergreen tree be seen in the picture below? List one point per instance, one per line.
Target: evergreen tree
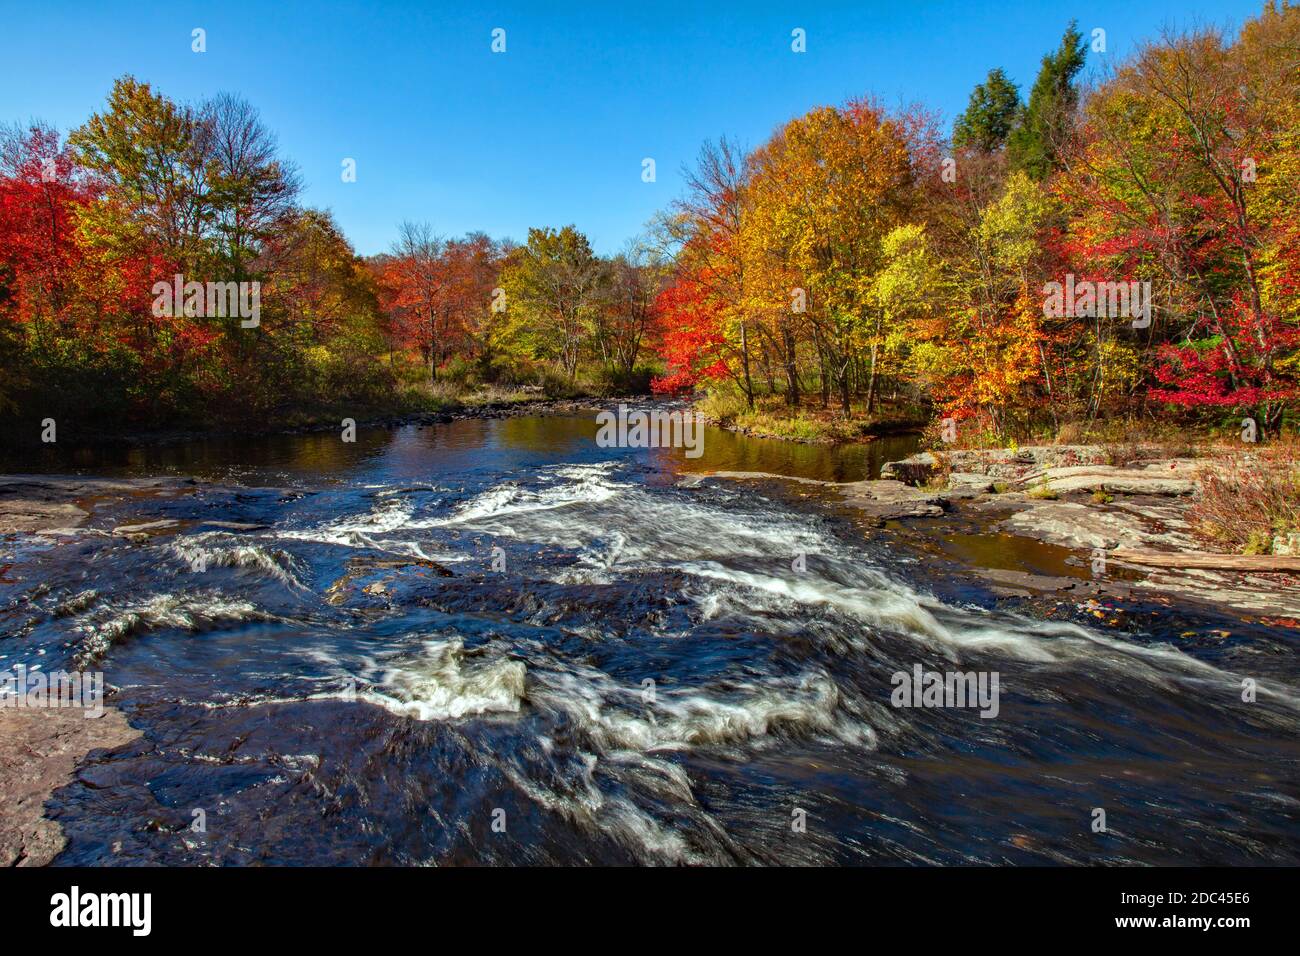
(1033, 145)
(991, 115)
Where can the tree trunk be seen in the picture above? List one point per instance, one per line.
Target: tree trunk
(871, 382)
(744, 361)
(791, 373)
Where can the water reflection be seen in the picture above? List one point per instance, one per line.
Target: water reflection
(471, 445)
(729, 451)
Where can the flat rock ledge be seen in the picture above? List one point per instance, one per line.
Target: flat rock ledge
(1062, 468)
(39, 752)
(31, 504)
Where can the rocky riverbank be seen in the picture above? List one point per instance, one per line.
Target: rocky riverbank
(1110, 522)
(41, 747)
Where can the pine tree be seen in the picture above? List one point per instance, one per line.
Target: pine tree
(1034, 144)
(991, 115)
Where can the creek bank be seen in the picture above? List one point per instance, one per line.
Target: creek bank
(1123, 544)
(865, 432)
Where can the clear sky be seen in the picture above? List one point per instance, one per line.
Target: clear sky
(555, 129)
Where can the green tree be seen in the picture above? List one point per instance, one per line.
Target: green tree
(990, 116)
(554, 285)
(1035, 144)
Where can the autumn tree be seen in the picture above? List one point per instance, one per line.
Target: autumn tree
(1183, 177)
(825, 191)
(554, 284)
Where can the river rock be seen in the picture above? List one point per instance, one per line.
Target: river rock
(27, 515)
(888, 499)
(146, 528)
(912, 470)
(884, 499)
(39, 751)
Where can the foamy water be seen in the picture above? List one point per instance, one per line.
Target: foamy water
(630, 669)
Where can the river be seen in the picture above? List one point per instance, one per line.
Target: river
(491, 641)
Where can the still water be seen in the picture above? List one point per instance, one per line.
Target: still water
(493, 642)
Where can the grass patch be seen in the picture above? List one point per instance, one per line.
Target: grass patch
(1043, 491)
(772, 418)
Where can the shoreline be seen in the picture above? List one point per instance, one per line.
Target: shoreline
(488, 409)
(1039, 504)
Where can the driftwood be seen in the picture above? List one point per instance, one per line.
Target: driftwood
(1265, 563)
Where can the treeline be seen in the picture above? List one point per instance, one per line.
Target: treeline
(860, 255)
(859, 261)
(148, 190)
(479, 311)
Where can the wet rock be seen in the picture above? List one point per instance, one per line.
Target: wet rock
(882, 499)
(69, 487)
(146, 528)
(767, 476)
(364, 565)
(235, 525)
(41, 503)
(889, 499)
(1012, 583)
(915, 469)
(27, 515)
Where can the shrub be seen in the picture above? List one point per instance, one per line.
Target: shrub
(1044, 491)
(556, 384)
(460, 372)
(724, 405)
(1245, 501)
(609, 382)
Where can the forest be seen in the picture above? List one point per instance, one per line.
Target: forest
(863, 265)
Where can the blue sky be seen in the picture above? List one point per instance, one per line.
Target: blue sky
(555, 129)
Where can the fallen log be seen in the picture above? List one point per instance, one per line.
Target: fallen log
(1262, 563)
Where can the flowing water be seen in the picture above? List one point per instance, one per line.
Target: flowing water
(493, 642)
